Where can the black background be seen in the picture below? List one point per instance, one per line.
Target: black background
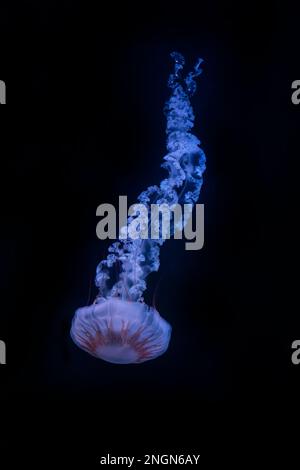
(83, 124)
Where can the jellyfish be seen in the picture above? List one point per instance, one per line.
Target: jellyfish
(119, 327)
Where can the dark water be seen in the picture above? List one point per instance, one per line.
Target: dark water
(84, 124)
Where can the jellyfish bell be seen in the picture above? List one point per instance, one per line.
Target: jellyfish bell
(121, 331)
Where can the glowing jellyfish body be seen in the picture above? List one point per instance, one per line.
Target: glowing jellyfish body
(119, 327)
(121, 331)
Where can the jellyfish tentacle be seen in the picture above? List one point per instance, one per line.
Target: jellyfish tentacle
(185, 164)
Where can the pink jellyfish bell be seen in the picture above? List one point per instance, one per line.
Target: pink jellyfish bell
(121, 331)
